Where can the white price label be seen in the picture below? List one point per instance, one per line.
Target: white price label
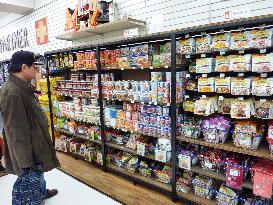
(221, 98)
(204, 96)
(188, 75)
(187, 36)
(241, 74)
(187, 96)
(222, 75)
(263, 51)
(234, 172)
(264, 75)
(241, 99)
(222, 53)
(188, 56)
(203, 55)
(241, 52)
(208, 165)
(151, 67)
(204, 75)
(166, 66)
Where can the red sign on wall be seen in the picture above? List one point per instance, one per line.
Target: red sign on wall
(41, 31)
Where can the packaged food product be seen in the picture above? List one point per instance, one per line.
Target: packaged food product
(188, 105)
(240, 109)
(205, 65)
(205, 106)
(240, 40)
(264, 109)
(203, 44)
(248, 135)
(216, 129)
(262, 63)
(226, 196)
(222, 85)
(262, 86)
(224, 106)
(205, 84)
(261, 38)
(184, 182)
(222, 64)
(203, 186)
(240, 86)
(192, 85)
(240, 63)
(187, 46)
(221, 42)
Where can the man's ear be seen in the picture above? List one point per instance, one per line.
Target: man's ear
(24, 66)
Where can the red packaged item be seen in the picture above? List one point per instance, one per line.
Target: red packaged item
(262, 185)
(234, 176)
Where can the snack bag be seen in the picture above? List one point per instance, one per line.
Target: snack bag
(261, 38)
(240, 63)
(240, 40)
(203, 44)
(262, 63)
(205, 65)
(222, 63)
(221, 42)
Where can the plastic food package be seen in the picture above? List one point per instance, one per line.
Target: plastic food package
(184, 183)
(203, 186)
(205, 65)
(205, 106)
(264, 109)
(188, 105)
(240, 63)
(216, 129)
(221, 42)
(222, 85)
(206, 85)
(222, 64)
(224, 106)
(187, 46)
(226, 196)
(241, 109)
(240, 86)
(261, 38)
(240, 40)
(262, 63)
(203, 44)
(262, 86)
(211, 159)
(248, 135)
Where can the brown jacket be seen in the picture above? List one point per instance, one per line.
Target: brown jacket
(27, 141)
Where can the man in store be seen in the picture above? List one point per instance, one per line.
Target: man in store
(28, 149)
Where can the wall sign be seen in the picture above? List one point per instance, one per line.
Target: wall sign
(41, 31)
(16, 40)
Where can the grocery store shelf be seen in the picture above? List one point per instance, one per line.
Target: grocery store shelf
(121, 24)
(196, 199)
(145, 180)
(92, 123)
(128, 150)
(219, 176)
(135, 132)
(263, 150)
(80, 136)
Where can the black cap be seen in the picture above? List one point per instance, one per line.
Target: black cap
(23, 57)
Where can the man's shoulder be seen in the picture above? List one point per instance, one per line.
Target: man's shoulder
(9, 89)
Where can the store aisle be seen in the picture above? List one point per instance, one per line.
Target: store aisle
(71, 191)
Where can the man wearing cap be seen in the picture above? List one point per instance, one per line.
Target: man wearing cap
(28, 149)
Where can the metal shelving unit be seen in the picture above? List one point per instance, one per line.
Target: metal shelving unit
(190, 198)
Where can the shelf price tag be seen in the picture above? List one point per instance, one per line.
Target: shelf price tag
(188, 56)
(187, 96)
(221, 98)
(241, 74)
(188, 75)
(241, 52)
(263, 50)
(142, 68)
(187, 36)
(241, 98)
(151, 67)
(262, 185)
(203, 55)
(222, 53)
(204, 96)
(204, 75)
(222, 75)
(166, 66)
(264, 75)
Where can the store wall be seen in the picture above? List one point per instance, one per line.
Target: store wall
(176, 14)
